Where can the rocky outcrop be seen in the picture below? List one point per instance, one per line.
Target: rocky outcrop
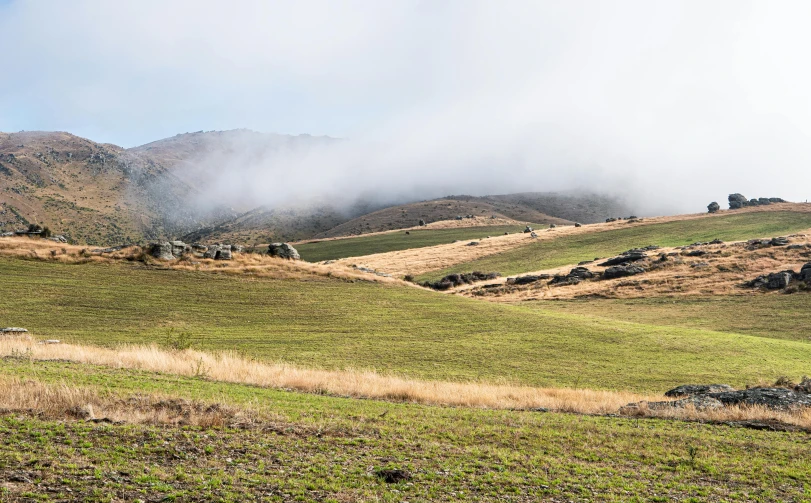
(453, 280)
(179, 248)
(714, 396)
(625, 258)
(621, 271)
(772, 398)
(283, 250)
(528, 279)
(713, 207)
(737, 201)
(218, 252)
(161, 251)
(574, 277)
(697, 389)
(782, 279)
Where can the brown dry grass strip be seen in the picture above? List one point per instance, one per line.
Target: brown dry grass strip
(65, 401)
(55, 401)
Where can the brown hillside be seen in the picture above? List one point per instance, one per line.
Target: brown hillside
(408, 215)
(90, 192)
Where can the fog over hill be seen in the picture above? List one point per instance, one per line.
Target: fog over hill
(668, 105)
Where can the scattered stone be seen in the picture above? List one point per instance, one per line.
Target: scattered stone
(699, 265)
(584, 262)
(716, 241)
(533, 234)
(576, 224)
(58, 239)
(696, 253)
(527, 229)
(713, 207)
(473, 243)
(283, 250)
(611, 219)
(50, 341)
(621, 271)
(393, 476)
(13, 330)
(697, 389)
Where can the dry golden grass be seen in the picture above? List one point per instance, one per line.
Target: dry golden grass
(433, 258)
(800, 418)
(244, 264)
(59, 401)
(228, 367)
(55, 401)
(728, 266)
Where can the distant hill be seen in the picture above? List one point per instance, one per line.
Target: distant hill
(583, 207)
(93, 193)
(104, 194)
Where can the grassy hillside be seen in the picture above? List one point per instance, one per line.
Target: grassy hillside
(774, 316)
(318, 448)
(573, 249)
(338, 324)
(380, 243)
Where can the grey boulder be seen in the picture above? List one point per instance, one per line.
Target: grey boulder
(283, 250)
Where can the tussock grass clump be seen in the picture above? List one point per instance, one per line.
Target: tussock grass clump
(61, 401)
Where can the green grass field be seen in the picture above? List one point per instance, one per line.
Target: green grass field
(381, 243)
(573, 249)
(322, 448)
(338, 324)
(775, 316)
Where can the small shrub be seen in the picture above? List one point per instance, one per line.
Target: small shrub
(178, 341)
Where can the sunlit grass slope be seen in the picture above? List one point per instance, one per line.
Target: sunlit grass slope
(573, 249)
(339, 324)
(380, 243)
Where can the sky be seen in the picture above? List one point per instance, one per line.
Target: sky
(672, 104)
